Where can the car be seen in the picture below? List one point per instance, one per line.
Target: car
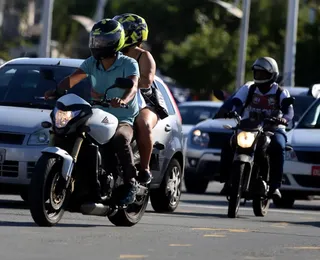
(302, 165)
(205, 140)
(23, 109)
(193, 112)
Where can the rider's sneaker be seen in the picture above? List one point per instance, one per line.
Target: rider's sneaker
(131, 192)
(144, 177)
(275, 194)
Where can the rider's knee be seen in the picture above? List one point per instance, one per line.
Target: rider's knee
(143, 126)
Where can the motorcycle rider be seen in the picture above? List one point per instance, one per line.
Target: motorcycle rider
(136, 30)
(105, 65)
(263, 99)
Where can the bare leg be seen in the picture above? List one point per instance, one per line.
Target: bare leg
(145, 122)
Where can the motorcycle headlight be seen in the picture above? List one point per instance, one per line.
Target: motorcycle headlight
(62, 118)
(246, 139)
(200, 138)
(39, 138)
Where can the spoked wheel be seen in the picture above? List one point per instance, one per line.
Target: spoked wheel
(132, 214)
(48, 195)
(260, 206)
(167, 197)
(236, 189)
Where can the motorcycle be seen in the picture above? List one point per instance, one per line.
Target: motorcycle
(250, 168)
(80, 164)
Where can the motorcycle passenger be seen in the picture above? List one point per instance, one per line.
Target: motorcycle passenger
(136, 30)
(105, 65)
(263, 99)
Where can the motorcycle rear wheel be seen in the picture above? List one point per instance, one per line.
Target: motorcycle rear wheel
(131, 215)
(47, 193)
(260, 206)
(236, 189)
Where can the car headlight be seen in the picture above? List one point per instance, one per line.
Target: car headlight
(62, 118)
(200, 138)
(246, 139)
(41, 137)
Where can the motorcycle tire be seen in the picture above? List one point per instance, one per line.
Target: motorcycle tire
(236, 189)
(260, 206)
(131, 215)
(43, 185)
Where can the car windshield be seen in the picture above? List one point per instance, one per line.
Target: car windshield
(192, 115)
(24, 85)
(301, 104)
(312, 118)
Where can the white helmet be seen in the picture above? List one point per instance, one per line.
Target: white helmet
(265, 70)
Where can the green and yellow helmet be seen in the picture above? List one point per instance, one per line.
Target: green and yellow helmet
(107, 37)
(135, 27)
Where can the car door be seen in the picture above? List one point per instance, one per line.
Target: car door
(166, 132)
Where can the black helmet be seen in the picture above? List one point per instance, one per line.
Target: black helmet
(265, 70)
(107, 37)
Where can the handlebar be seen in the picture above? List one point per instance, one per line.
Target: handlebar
(274, 120)
(105, 103)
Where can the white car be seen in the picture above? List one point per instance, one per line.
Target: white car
(302, 166)
(22, 137)
(193, 112)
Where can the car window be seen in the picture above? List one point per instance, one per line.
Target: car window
(301, 104)
(312, 118)
(192, 115)
(162, 89)
(25, 84)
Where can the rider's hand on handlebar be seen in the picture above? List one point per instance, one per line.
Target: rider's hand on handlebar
(51, 93)
(117, 102)
(282, 121)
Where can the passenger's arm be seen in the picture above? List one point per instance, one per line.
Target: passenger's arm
(147, 70)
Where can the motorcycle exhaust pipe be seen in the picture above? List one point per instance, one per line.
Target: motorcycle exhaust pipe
(96, 209)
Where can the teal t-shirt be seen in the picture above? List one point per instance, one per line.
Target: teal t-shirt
(101, 79)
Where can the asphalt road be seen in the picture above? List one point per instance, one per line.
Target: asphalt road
(198, 230)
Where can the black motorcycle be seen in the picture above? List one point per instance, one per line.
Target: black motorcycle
(250, 168)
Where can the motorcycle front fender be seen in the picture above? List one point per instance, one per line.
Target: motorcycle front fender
(68, 161)
(243, 158)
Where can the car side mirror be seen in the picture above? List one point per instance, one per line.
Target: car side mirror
(286, 102)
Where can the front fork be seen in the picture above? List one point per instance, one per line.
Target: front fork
(248, 160)
(54, 141)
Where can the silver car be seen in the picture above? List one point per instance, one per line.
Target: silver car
(22, 109)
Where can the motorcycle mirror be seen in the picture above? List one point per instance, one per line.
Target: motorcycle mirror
(47, 74)
(286, 102)
(227, 127)
(219, 94)
(124, 83)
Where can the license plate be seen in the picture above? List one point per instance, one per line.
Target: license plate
(2, 155)
(315, 171)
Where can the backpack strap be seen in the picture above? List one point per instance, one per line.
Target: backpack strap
(278, 94)
(252, 89)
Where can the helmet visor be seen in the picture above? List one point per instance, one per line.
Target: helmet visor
(103, 41)
(260, 74)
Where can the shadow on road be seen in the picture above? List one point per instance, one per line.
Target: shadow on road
(189, 214)
(13, 204)
(31, 224)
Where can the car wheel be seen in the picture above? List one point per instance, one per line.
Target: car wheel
(166, 198)
(286, 201)
(196, 185)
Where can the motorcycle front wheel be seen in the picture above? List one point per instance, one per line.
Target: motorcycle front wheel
(236, 189)
(47, 191)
